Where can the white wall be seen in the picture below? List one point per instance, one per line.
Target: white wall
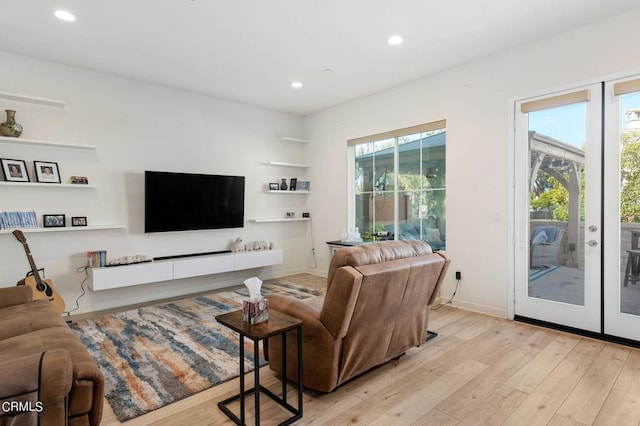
(138, 126)
(475, 101)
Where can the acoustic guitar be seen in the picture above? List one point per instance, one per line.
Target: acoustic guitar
(41, 288)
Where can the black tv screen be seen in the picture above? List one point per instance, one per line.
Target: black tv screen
(188, 201)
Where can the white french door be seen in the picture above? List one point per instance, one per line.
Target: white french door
(558, 157)
(621, 285)
(577, 208)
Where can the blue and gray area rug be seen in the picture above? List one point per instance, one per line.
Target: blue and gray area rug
(156, 355)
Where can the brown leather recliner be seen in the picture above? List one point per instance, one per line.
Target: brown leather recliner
(45, 370)
(376, 307)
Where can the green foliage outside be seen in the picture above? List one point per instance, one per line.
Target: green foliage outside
(548, 194)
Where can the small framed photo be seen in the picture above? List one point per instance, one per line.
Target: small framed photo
(47, 172)
(14, 170)
(302, 185)
(79, 180)
(292, 185)
(53, 221)
(79, 221)
(274, 186)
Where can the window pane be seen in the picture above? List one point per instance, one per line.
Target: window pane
(364, 214)
(383, 205)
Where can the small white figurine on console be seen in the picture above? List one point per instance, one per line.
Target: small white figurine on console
(237, 245)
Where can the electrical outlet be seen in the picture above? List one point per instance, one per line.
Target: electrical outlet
(458, 275)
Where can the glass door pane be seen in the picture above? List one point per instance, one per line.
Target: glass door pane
(557, 167)
(629, 226)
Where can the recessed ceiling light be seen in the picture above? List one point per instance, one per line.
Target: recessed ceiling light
(394, 40)
(64, 15)
(296, 84)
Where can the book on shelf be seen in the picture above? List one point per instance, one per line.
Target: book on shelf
(18, 219)
(97, 258)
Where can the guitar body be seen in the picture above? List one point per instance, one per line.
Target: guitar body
(44, 291)
(41, 288)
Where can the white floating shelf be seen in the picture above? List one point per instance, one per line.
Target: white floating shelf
(290, 139)
(66, 228)
(31, 99)
(278, 163)
(51, 185)
(25, 141)
(299, 219)
(285, 191)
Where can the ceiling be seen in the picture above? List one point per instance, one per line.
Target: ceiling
(251, 50)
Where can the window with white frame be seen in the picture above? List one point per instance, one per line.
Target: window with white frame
(399, 182)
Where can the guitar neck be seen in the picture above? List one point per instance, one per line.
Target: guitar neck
(32, 263)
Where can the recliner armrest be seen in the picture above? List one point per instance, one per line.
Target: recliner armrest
(17, 295)
(309, 314)
(42, 379)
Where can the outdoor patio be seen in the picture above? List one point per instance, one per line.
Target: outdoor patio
(565, 285)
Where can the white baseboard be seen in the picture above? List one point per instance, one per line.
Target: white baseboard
(482, 309)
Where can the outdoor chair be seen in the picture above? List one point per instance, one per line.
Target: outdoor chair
(544, 246)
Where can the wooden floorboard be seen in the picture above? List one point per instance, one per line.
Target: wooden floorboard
(480, 370)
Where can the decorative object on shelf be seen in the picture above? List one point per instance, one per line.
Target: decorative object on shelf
(290, 215)
(10, 127)
(306, 214)
(53, 220)
(14, 170)
(292, 186)
(274, 186)
(283, 184)
(271, 245)
(236, 245)
(79, 221)
(128, 260)
(79, 180)
(47, 172)
(19, 219)
(302, 185)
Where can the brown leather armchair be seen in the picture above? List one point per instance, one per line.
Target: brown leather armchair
(376, 307)
(45, 370)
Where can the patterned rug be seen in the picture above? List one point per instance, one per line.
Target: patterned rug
(156, 355)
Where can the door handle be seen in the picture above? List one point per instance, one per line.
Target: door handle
(592, 243)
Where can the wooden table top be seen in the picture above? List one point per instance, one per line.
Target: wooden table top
(277, 323)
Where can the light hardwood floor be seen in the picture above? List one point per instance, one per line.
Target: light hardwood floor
(479, 370)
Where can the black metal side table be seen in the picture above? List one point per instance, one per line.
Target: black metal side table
(278, 323)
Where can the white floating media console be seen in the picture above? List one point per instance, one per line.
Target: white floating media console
(173, 269)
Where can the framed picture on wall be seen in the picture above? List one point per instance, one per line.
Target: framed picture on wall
(53, 221)
(302, 185)
(79, 221)
(47, 172)
(14, 170)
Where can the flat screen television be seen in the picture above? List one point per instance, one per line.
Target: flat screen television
(189, 201)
